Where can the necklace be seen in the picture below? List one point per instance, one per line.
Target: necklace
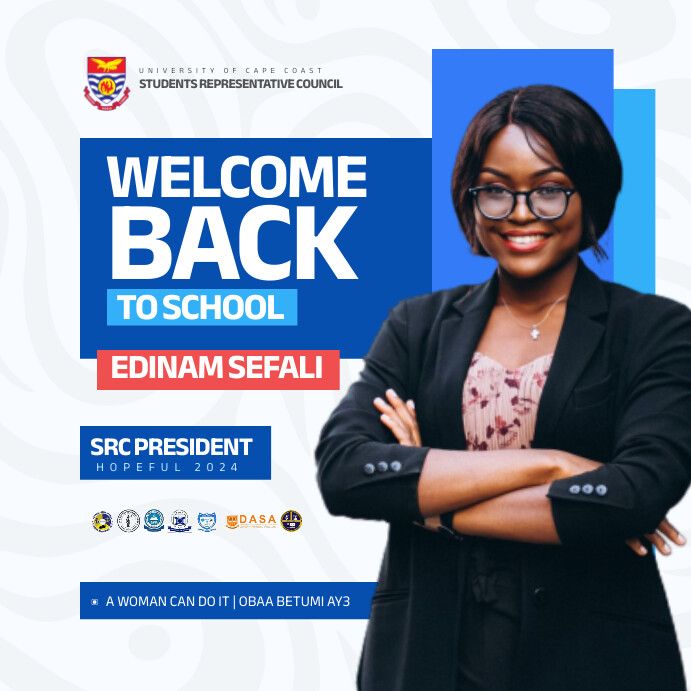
(534, 330)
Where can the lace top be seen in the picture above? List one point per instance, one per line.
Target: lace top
(500, 403)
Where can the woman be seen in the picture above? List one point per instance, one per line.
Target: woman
(549, 431)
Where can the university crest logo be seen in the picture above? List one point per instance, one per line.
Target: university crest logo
(207, 521)
(106, 79)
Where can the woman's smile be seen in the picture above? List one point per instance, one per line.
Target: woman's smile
(526, 241)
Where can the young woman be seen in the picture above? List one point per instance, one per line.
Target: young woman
(548, 437)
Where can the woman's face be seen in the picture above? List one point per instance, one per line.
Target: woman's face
(524, 245)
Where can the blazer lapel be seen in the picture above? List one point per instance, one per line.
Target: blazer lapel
(459, 335)
(579, 337)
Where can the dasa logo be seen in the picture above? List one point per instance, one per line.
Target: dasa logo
(106, 82)
(250, 520)
(207, 521)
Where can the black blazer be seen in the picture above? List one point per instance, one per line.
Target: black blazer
(594, 614)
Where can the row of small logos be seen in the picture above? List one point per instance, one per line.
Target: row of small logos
(154, 521)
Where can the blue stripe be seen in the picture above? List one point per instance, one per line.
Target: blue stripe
(96, 79)
(634, 218)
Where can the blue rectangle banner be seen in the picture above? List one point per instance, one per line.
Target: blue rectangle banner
(175, 453)
(241, 307)
(319, 600)
(236, 233)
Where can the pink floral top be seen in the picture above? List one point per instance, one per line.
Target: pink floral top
(500, 404)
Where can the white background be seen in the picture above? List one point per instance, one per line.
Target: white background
(381, 51)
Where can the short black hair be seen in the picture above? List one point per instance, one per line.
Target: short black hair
(573, 129)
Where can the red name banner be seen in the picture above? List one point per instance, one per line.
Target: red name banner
(218, 369)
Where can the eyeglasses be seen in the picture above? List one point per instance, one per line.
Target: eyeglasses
(496, 203)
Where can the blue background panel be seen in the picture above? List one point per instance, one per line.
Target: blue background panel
(464, 81)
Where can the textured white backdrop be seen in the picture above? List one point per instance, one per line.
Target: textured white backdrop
(382, 53)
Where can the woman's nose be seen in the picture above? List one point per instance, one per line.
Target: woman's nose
(521, 211)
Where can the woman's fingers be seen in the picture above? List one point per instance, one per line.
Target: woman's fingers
(385, 409)
(416, 428)
(406, 413)
(657, 538)
(637, 546)
(399, 431)
(403, 411)
(391, 419)
(667, 529)
(395, 412)
(659, 542)
(399, 417)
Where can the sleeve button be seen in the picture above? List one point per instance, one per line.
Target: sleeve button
(601, 490)
(575, 489)
(395, 466)
(382, 466)
(587, 489)
(368, 468)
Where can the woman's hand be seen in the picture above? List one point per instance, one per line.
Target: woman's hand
(400, 418)
(569, 464)
(665, 529)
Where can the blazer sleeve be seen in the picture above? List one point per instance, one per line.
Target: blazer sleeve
(363, 472)
(651, 463)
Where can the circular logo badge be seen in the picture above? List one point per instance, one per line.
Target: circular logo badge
(179, 522)
(291, 520)
(128, 520)
(102, 521)
(106, 86)
(153, 520)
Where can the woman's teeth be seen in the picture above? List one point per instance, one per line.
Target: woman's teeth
(525, 239)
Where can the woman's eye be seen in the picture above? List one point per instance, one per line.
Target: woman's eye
(549, 191)
(496, 191)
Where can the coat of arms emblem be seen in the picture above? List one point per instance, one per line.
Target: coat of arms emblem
(106, 82)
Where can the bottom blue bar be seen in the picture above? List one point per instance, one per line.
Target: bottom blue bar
(349, 600)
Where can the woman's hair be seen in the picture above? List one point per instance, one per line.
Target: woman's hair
(578, 137)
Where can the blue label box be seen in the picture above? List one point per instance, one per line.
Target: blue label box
(175, 453)
(349, 600)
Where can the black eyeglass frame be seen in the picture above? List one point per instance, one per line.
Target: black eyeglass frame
(569, 191)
